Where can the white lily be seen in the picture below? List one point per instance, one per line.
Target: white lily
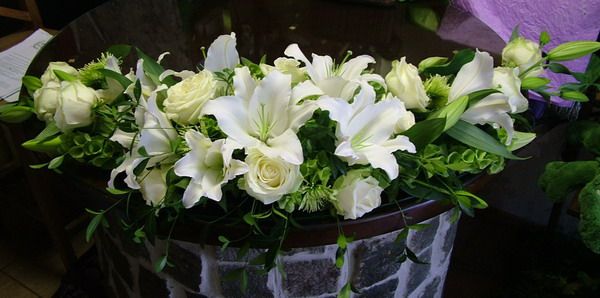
(477, 75)
(266, 116)
(222, 54)
(156, 135)
(365, 129)
(210, 165)
(340, 82)
(473, 76)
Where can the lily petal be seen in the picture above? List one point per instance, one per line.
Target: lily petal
(232, 115)
(352, 69)
(268, 105)
(473, 76)
(222, 54)
(285, 146)
(243, 83)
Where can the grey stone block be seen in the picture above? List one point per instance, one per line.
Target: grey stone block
(257, 282)
(386, 289)
(310, 278)
(187, 267)
(376, 260)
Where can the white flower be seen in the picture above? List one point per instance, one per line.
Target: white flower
(357, 194)
(510, 85)
(210, 165)
(478, 75)
(75, 105)
(266, 116)
(155, 136)
(268, 179)
(493, 110)
(473, 76)
(186, 99)
(45, 100)
(404, 82)
(153, 186)
(338, 83)
(49, 74)
(222, 54)
(523, 53)
(114, 88)
(365, 128)
(286, 66)
(405, 123)
(146, 83)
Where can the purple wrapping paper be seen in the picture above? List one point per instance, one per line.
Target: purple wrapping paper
(563, 20)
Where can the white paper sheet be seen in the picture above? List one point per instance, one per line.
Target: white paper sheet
(14, 63)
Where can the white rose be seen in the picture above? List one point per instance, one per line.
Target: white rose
(74, 105)
(185, 99)
(510, 85)
(286, 66)
(404, 82)
(268, 179)
(357, 194)
(49, 74)
(523, 53)
(45, 100)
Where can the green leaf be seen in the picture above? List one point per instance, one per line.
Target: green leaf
(117, 192)
(478, 95)
(160, 264)
(63, 76)
(534, 82)
(425, 17)
(514, 34)
(48, 146)
(479, 202)
(345, 291)
(574, 95)
(31, 83)
(471, 135)
(413, 257)
(544, 38)
(573, 50)
(225, 242)
(418, 227)
(558, 68)
(451, 112)
(154, 70)
(120, 50)
(121, 79)
(342, 242)
(453, 66)
(249, 219)
(402, 235)
(56, 162)
(13, 113)
(425, 132)
(92, 226)
(39, 166)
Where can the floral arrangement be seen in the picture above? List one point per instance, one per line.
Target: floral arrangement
(262, 145)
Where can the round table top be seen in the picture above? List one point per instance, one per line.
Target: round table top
(266, 27)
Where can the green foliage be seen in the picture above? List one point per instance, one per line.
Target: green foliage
(573, 50)
(453, 66)
(437, 89)
(425, 132)
(589, 226)
(14, 113)
(560, 178)
(471, 135)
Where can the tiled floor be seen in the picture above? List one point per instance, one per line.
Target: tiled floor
(31, 271)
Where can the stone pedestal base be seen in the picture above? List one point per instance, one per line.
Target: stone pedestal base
(309, 272)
